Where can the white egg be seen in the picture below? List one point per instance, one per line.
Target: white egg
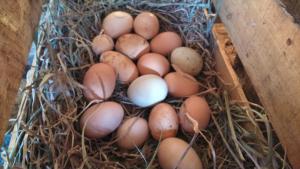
(147, 90)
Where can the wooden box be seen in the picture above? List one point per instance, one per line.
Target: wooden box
(265, 35)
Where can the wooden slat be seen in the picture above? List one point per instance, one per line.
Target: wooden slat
(268, 43)
(228, 78)
(18, 19)
(227, 75)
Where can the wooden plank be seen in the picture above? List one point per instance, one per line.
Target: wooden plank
(267, 41)
(18, 19)
(228, 77)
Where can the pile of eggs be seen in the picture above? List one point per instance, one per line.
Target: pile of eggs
(142, 60)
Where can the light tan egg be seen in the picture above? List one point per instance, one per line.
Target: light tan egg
(197, 108)
(124, 67)
(181, 85)
(132, 45)
(146, 25)
(117, 23)
(102, 43)
(99, 81)
(132, 133)
(153, 63)
(101, 119)
(163, 121)
(165, 42)
(170, 152)
(187, 59)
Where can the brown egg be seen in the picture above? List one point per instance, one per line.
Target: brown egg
(181, 85)
(146, 24)
(163, 121)
(117, 23)
(101, 119)
(132, 45)
(102, 43)
(170, 152)
(125, 68)
(197, 108)
(132, 132)
(165, 42)
(187, 59)
(99, 81)
(153, 63)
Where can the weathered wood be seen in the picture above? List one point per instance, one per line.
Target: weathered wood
(228, 78)
(18, 19)
(267, 41)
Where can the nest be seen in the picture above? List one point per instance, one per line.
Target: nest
(47, 129)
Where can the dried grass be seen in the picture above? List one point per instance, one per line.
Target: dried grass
(48, 131)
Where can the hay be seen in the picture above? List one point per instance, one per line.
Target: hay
(49, 135)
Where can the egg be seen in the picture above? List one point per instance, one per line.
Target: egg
(125, 68)
(170, 152)
(197, 108)
(102, 43)
(187, 59)
(132, 132)
(117, 23)
(99, 81)
(146, 24)
(153, 63)
(147, 90)
(165, 42)
(181, 85)
(163, 121)
(132, 45)
(101, 119)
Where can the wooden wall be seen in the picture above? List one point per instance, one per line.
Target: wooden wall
(18, 19)
(268, 42)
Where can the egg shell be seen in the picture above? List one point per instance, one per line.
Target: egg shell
(180, 85)
(146, 25)
(163, 121)
(187, 59)
(198, 109)
(147, 90)
(102, 43)
(132, 132)
(165, 42)
(153, 63)
(117, 23)
(132, 45)
(125, 68)
(171, 150)
(99, 81)
(101, 119)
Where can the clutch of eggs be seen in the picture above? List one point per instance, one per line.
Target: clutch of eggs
(133, 52)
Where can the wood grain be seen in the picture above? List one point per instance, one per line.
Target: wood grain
(228, 78)
(267, 41)
(18, 19)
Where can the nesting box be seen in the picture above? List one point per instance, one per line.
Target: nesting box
(264, 34)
